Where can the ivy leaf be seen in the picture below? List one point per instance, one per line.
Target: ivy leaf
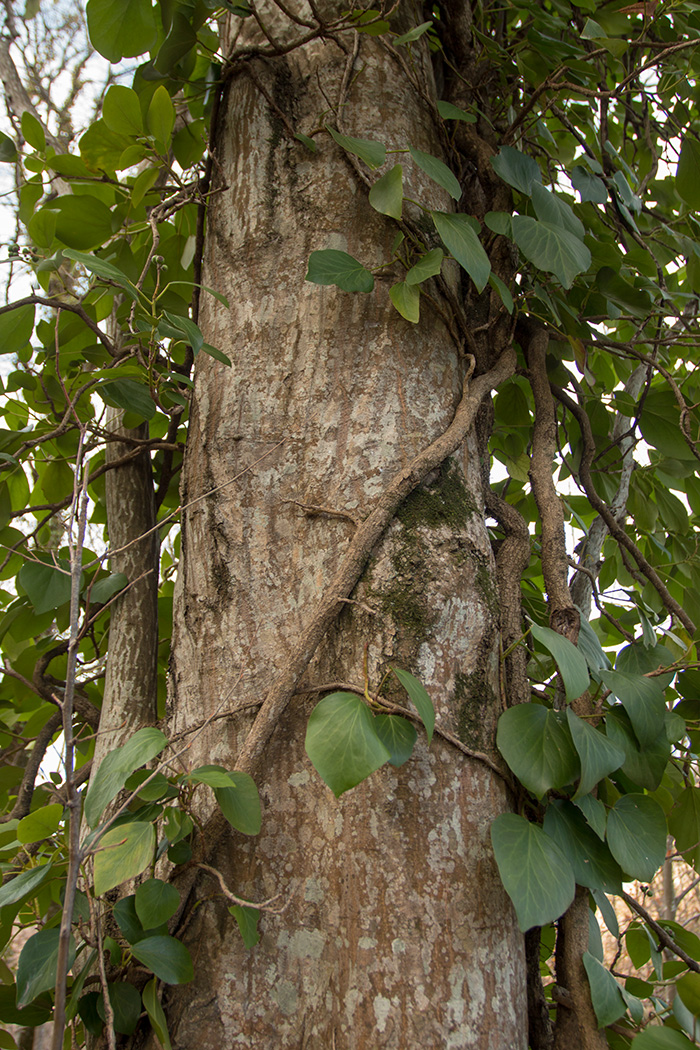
(549, 207)
(406, 300)
(590, 859)
(537, 747)
(535, 873)
(123, 853)
(167, 957)
(398, 736)
(412, 34)
(571, 663)
(637, 835)
(551, 248)
(247, 920)
(590, 187)
(517, 169)
(606, 996)
(121, 28)
(449, 112)
(427, 266)
(155, 902)
(334, 267)
(342, 743)
(372, 153)
(458, 236)
(126, 1006)
(386, 195)
(598, 755)
(240, 803)
(36, 969)
(438, 171)
(119, 764)
(642, 699)
(156, 1015)
(419, 698)
(48, 586)
(644, 766)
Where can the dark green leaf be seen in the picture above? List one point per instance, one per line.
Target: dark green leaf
(8, 149)
(342, 743)
(571, 663)
(517, 169)
(36, 969)
(156, 902)
(103, 269)
(449, 112)
(48, 586)
(687, 181)
(240, 803)
(590, 187)
(438, 171)
(107, 587)
(537, 746)
(552, 209)
(598, 755)
(126, 1005)
(247, 919)
(643, 765)
(535, 873)
(398, 736)
(637, 835)
(427, 266)
(155, 1014)
(608, 1002)
(372, 153)
(419, 698)
(642, 699)
(167, 957)
(129, 395)
(589, 857)
(334, 267)
(551, 248)
(218, 355)
(458, 236)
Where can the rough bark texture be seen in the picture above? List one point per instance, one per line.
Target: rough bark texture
(398, 933)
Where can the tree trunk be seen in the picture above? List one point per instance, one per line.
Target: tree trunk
(397, 932)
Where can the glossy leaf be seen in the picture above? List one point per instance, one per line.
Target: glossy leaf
(167, 957)
(156, 902)
(342, 743)
(537, 876)
(126, 1006)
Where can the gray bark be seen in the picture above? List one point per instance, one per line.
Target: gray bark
(397, 932)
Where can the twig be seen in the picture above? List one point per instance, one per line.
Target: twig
(262, 906)
(664, 937)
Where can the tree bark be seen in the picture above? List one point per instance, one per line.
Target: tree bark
(397, 931)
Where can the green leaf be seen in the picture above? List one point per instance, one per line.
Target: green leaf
(419, 698)
(167, 957)
(684, 824)
(333, 267)
(121, 111)
(398, 736)
(155, 902)
(121, 28)
(643, 765)
(428, 265)
(587, 643)
(598, 755)
(123, 853)
(23, 885)
(218, 355)
(590, 187)
(571, 663)
(247, 919)
(642, 699)
(551, 248)
(342, 743)
(212, 776)
(41, 824)
(82, 222)
(189, 143)
(156, 1015)
(8, 149)
(126, 1006)
(537, 747)
(660, 423)
(654, 1038)
(386, 195)
(240, 804)
(161, 116)
(688, 987)
(449, 112)
(48, 586)
(458, 236)
(372, 153)
(111, 775)
(608, 1002)
(503, 291)
(129, 395)
(411, 35)
(306, 141)
(128, 921)
(190, 331)
(517, 169)
(594, 813)
(438, 171)
(687, 181)
(535, 873)
(591, 861)
(16, 327)
(406, 299)
(500, 222)
(637, 835)
(36, 968)
(107, 587)
(552, 209)
(33, 132)
(103, 269)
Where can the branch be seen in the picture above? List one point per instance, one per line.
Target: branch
(664, 937)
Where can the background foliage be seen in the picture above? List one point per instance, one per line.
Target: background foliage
(591, 112)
